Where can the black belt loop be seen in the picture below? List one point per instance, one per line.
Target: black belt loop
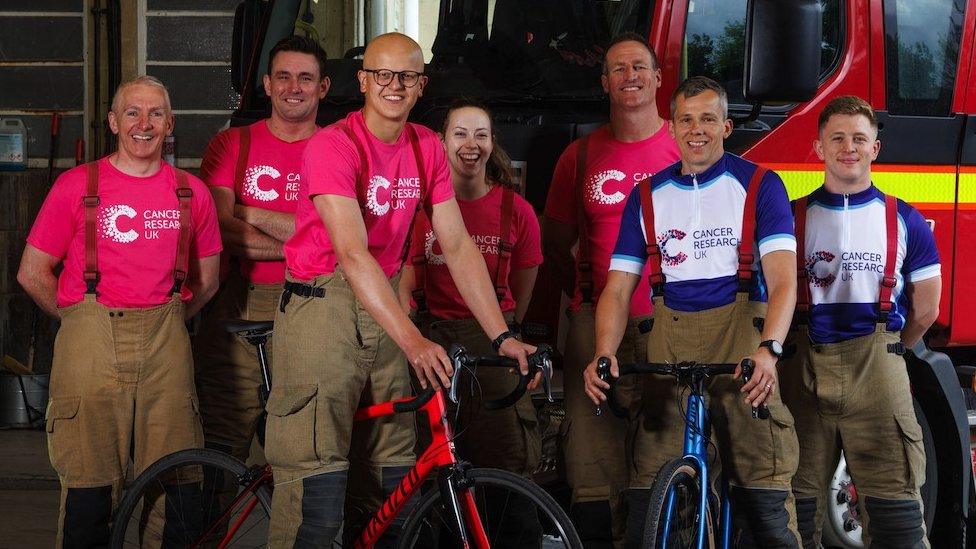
(299, 289)
(759, 323)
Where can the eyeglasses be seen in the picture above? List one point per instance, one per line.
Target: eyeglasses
(383, 77)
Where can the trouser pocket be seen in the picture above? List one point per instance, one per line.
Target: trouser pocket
(291, 427)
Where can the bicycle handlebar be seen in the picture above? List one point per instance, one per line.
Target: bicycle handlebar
(541, 359)
(682, 371)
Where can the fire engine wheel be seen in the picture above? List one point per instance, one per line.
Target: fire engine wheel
(842, 527)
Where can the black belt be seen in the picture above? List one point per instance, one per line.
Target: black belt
(299, 289)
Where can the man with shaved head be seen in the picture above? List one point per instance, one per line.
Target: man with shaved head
(341, 337)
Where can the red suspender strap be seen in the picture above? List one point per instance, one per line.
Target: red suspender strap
(655, 277)
(583, 265)
(243, 151)
(90, 201)
(802, 276)
(885, 303)
(505, 243)
(747, 240)
(424, 201)
(419, 262)
(361, 181)
(184, 194)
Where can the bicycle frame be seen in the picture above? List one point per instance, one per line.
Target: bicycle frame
(697, 427)
(440, 453)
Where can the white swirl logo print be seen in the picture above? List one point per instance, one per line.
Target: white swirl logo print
(108, 222)
(372, 204)
(596, 187)
(432, 258)
(251, 187)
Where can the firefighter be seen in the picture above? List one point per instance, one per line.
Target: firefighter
(340, 335)
(254, 175)
(720, 247)
(506, 231)
(586, 199)
(138, 244)
(869, 288)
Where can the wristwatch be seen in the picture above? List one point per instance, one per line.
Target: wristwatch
(496, 343)
(775, 347)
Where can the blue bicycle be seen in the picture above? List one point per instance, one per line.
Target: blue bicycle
(683, 511)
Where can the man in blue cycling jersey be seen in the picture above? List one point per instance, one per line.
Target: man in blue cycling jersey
(869, 288)
(720, 248)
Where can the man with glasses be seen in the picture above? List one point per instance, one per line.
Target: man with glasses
(340, 335)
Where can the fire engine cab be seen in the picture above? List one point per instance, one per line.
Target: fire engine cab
(537, 65)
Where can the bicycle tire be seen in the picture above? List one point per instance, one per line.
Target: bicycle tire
(426, 526)
(187, 467)
(681, 474)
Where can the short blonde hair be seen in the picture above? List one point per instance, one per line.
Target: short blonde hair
(140, 80)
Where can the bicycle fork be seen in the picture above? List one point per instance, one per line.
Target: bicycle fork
(453, 489)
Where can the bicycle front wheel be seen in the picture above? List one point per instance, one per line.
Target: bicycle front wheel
(514, 512)
(194, 498)
(674, 513)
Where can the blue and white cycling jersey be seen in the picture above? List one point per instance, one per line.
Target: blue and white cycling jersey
(698, 222)
(845, 257)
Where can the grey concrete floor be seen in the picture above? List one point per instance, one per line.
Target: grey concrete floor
(29, 491)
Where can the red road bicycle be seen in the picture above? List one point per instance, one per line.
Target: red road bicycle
(214, 500)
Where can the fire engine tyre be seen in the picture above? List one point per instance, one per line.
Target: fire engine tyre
(503, 500)
(680, 477)
(189, 480)
(842, 529)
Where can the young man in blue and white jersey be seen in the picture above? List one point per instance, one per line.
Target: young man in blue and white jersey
(869, 287)
(715, 301)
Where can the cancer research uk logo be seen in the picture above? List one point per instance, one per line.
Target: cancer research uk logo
(397, 194)
(811, 263)
(662, 242)
(153, 222)
(598, 194)
(252, 187)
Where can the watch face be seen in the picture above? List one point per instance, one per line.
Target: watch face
(776, 347)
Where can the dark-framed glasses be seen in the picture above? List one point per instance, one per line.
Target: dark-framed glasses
(383, 77)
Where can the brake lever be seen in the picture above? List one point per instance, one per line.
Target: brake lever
(758, 412)
(603, 372)
(458, 356)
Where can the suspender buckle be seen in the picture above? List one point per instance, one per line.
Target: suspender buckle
(888, 281)
(91, 280)
(184, 192)
(505, 247)
(897, 348)
(420, 298)
(585, 267)
(747, 259)
(91, 201)
(179, 276)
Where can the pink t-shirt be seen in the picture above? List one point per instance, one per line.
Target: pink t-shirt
(137, 228)
(331, 165)
(482, 218)
(271, 182)
(613, 168)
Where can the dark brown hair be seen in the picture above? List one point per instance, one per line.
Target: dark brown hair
(697, 85)
(498, 169)
(850, 105)
(629, 37)
(300, 44)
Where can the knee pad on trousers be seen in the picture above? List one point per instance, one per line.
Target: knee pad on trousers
(895, 523)
(806, 520)
(322, 499)
(764, 513)
(183, 514)
(638, 500)
(86, 516)
(593, 523)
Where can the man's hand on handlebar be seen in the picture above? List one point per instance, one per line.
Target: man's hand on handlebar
(513, 348)
(429, 361)
(594, 386)
(765, 378)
